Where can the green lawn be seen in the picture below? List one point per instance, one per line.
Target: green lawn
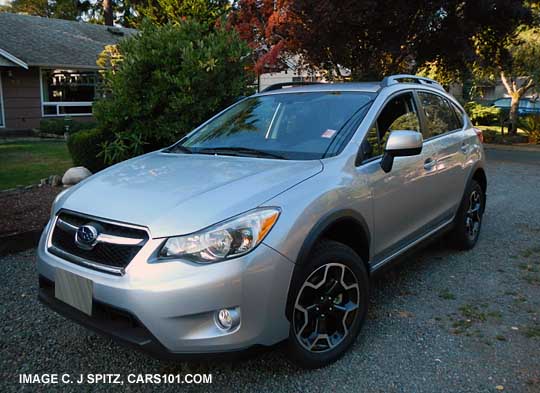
(26, 162)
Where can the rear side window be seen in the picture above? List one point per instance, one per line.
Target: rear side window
(440, 116)
(459, 115)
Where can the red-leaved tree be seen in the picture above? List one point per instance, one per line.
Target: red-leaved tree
(373, 38)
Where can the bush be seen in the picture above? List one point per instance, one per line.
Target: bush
(59, 126)
(85, 147)
(531, 125)
(165, 81)
(483, 115)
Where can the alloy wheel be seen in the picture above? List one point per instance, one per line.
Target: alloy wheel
(473, 217)
(326, 307)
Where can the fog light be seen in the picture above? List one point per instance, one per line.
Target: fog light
(228, 318)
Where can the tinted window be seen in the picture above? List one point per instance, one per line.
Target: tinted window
(440, 117)
(459, 116)
(398, 114)
(292, 125)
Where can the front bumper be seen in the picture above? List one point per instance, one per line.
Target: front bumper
(168, 308)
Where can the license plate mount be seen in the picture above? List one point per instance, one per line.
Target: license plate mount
(74, 290)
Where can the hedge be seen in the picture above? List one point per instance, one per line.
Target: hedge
(483, 115)
(84, 147)
(59, 126)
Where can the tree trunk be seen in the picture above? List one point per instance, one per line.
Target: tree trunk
(514, 106)
(515, 94)
(108, 12)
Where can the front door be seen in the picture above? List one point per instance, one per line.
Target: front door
(402, 202)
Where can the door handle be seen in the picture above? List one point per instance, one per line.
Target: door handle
(464, 148)
(429, 163)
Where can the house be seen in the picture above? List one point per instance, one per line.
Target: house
(293, 71)
(48, 68)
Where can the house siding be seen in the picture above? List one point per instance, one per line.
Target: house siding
(22, 99)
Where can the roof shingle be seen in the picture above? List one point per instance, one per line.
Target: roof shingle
(56, 42)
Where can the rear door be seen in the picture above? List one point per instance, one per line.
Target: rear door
(443, 133)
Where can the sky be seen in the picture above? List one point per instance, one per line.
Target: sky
(5, 2)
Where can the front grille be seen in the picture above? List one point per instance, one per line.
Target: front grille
(107, 253)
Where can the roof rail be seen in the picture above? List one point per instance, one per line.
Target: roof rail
(278, 86)
(404, 78)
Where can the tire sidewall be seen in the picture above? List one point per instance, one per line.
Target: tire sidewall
(462, 240)
(325, 253)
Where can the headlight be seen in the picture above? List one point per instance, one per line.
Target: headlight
(225, 240)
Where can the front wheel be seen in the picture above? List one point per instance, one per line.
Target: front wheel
(330, 304)
(468, 220)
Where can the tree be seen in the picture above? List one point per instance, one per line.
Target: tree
(373, 38)
(61, 9)
(522, 61)
(108, 12)
(166, 80)
(174, 11)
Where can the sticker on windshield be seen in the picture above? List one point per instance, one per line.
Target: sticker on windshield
(328, 133)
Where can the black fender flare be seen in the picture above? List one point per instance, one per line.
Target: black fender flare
(314, 235)
(477, 166)
(323, 224)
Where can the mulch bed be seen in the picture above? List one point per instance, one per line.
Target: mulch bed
(26, 210)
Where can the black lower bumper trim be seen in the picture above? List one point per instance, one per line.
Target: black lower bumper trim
(124, 327)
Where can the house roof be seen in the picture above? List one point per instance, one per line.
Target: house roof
(37, 41)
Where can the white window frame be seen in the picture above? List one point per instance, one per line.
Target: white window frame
(2, 107)
(60, 104)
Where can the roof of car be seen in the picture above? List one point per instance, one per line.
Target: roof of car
(403, 80)
(369, 87)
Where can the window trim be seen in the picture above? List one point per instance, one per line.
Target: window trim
(2, 106)
(391, 96)
(449, 102)
(59, 104)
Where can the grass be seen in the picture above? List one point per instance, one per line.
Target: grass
(492, 134)
(533, 331)
(530, 251)
(469, 315)
(26, 162)
(446, 294)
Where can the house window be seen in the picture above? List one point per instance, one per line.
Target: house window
(305, 79)
(67, 92)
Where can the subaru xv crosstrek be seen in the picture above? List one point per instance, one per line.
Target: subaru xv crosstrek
(267, 222)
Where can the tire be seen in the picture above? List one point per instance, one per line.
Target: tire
(468, 221)
(329, 301)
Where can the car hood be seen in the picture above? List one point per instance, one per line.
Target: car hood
(175, 194)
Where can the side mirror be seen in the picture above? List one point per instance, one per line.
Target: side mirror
(401, 144)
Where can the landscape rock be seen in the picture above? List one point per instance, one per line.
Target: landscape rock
(75, 175)
(55, 180)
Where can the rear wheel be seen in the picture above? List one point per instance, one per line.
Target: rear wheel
(330, 303)
(469, 217)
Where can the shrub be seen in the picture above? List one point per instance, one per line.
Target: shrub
(85, 147)
(483, 115)
(531, 125)
(167, 80)
(59, 126)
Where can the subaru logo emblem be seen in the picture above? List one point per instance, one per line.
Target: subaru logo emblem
(86, 237)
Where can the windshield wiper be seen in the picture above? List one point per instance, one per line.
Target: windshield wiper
(240, 151)
(178, 149)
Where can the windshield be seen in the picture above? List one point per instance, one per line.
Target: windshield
(296, 126)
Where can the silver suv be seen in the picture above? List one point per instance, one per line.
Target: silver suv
(267, 222)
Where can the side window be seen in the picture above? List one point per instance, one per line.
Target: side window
(398, 114)
(439, 115)
(459, 115)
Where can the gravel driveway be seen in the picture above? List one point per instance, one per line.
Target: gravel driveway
(443, 321)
